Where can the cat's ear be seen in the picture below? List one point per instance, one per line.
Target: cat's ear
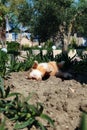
(34, 66)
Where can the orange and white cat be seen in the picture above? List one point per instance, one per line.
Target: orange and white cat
(40, 70)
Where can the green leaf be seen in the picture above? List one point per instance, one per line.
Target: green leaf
(7, 91)
(28, 98)
(40, 108)
(10, 105)
(33, 110)
(40, 125)
(2, 109)
(46, 117)
(2, 103)
(83, 124)
(2, 91)
(14, 118)
(13, 94)
(24, 124)
(1, 18)
(2, 125)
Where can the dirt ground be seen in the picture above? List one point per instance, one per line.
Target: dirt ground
(62, 99)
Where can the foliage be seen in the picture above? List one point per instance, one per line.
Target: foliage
(25, 47)
(26, 65)
(47, 22)
(3, 63)
(15, 66)
(80, 25)
(73, 43)
(48, 44)
(49, 16)
(80, 52)
(13, 47)
(13, 51)
(3, 11)
(77, 66)
(5, 93)
(18, 109)
(66, 58)
(25, 12)
(80, 66)
(44, 18)
(2, 125)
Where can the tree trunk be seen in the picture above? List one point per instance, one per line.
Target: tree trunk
(66, 38)
(63, 38)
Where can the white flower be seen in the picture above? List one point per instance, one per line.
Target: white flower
(54, 47)
(39, 46)
(4, 50)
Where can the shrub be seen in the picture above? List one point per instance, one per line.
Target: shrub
(13, 47)
(3, 63)
(48, 45)
(13, 50)
(15, 66)
(66, 58)
(80, 66)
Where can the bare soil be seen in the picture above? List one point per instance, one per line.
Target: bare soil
(63, 100)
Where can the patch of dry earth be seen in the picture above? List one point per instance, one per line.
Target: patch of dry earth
(61, 99)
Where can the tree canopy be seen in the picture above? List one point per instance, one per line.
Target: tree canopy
(46, 18)
(49, 16)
